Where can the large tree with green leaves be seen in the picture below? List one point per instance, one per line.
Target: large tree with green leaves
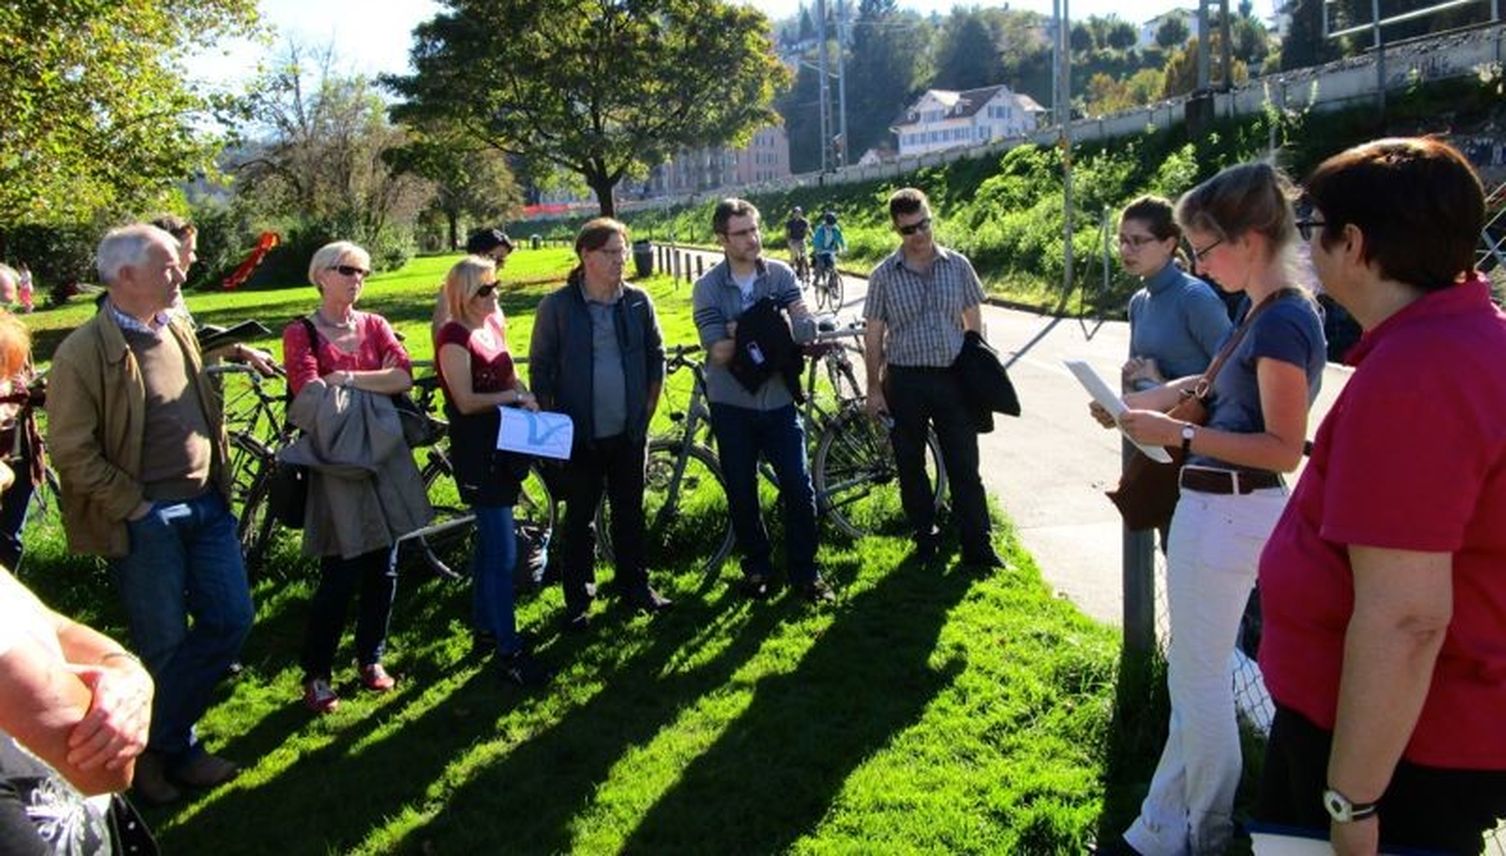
(967, 55)
(600, 88)
(471, 180)
(95, 114)
(888, 48)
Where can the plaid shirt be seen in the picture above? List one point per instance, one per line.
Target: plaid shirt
(923, 312)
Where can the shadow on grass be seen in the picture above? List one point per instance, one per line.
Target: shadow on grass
(1136, 737)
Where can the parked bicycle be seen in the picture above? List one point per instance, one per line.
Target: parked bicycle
(854, 474)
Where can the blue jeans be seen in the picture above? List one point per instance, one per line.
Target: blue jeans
(742, 436)
(491, 590)
(185, 561)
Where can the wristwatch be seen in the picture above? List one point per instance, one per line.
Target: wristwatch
(1188, 431)
(1342, 810)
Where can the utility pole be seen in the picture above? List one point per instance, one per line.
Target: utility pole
(1380, 59)
(825, 93)
(1202, 46)
(1225, 53)
(843, 34)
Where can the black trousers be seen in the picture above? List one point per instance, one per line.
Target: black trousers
(1427, 808)
(616, 465)
(922, 397)
(374, 576)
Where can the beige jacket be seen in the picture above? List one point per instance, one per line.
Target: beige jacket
(366, 491)
(96, 408)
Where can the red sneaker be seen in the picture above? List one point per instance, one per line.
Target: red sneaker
(376, 679)
(319, 696)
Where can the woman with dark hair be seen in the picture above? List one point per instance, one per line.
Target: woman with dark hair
(478, 377)
(365, 491)
(1382, 586)
(1176, 321)
(597, 356)
(1240, 226)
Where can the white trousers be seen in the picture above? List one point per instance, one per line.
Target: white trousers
(1213, 555)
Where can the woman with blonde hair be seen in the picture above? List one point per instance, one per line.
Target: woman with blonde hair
(1241, 228)
(351, 524)
(478, 377)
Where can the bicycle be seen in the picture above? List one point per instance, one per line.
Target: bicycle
(685, 498)
(828, 282)
(256, 428)
(800, 262)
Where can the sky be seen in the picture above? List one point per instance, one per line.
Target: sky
(370, 42)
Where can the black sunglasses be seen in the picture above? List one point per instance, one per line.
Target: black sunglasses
(1306, 225)
(486, 290)
(918, 226)
(350, 270)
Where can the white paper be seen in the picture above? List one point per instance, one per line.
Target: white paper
(545, 434)
(1096, 387)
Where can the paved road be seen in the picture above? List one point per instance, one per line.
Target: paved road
(1049, 468)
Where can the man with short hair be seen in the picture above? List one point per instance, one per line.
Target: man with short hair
(758, 422)
(921, 302)
(135, 432)
(796, 230)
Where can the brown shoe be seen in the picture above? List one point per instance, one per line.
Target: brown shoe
(151, 784)
(205, 771)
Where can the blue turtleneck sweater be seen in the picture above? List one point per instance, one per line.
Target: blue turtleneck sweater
(1179, 321)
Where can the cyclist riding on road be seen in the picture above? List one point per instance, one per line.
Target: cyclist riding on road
(795, 231)
(826, 242)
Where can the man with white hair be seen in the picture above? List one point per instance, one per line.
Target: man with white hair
(135, 433)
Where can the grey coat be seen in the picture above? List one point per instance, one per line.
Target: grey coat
(366, 492)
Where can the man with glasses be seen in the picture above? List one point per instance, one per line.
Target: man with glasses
(749, 423)
(921, 302)
(140, 453)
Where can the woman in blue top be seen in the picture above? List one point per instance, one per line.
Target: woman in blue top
(1176, 321)
(1240, 226)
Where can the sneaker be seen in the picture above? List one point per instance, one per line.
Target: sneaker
(984, 562)
(648, 600)
(375, 678)
(150, 784)
(319, 696)
(927, 544)
(817, 591)
(522, 669)
(757, 587)
(204, 770)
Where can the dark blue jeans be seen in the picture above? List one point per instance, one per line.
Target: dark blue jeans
(491, 588)
(742, 436)
(375, 575)
(185, 561)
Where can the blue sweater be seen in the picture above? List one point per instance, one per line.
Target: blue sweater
(1177, 320)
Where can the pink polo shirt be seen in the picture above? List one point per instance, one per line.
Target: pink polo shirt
(379, 348)
(1411, 457)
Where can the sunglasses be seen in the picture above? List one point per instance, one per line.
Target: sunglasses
(350, 270)
(1199, 255)
(487, 290)
(918, 226)
(1306, 225)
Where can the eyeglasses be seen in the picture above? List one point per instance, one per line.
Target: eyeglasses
(918, 226)
(350, 270)
(743, 233)
(486, 290)
(610, 251)
(1306, 225)
(1137, 241)
(1199, 255)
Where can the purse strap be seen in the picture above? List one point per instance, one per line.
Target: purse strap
(1205, 383)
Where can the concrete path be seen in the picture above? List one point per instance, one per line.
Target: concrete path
(1049, 468)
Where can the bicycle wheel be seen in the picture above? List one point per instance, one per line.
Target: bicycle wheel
(834, 290)
(857, 481)
(256, 528)
(446, 544)
(684, 511)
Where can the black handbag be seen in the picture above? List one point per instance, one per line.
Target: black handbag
(288, 493)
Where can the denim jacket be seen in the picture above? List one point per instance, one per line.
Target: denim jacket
(560, 354)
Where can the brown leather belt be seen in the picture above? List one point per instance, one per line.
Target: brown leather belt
(1206, 480)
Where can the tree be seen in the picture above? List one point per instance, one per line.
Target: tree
(1181, 71)
(1305, 44)
(1080, 39)
(1173, 32)
(887, 49)
(1250, 42)
(95, 117)
(324, 158)
(807, 26)
(600, 88)
(1122, 36)
(471, 180)
(967, 56)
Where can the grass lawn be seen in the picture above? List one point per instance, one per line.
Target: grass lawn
(928, 711)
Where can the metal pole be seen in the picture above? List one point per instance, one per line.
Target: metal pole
(842, 36)
(1065, 70)
(1225, 54)
(825, 95)
(1139, 581)
(1380, 59)
(1202, 46)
